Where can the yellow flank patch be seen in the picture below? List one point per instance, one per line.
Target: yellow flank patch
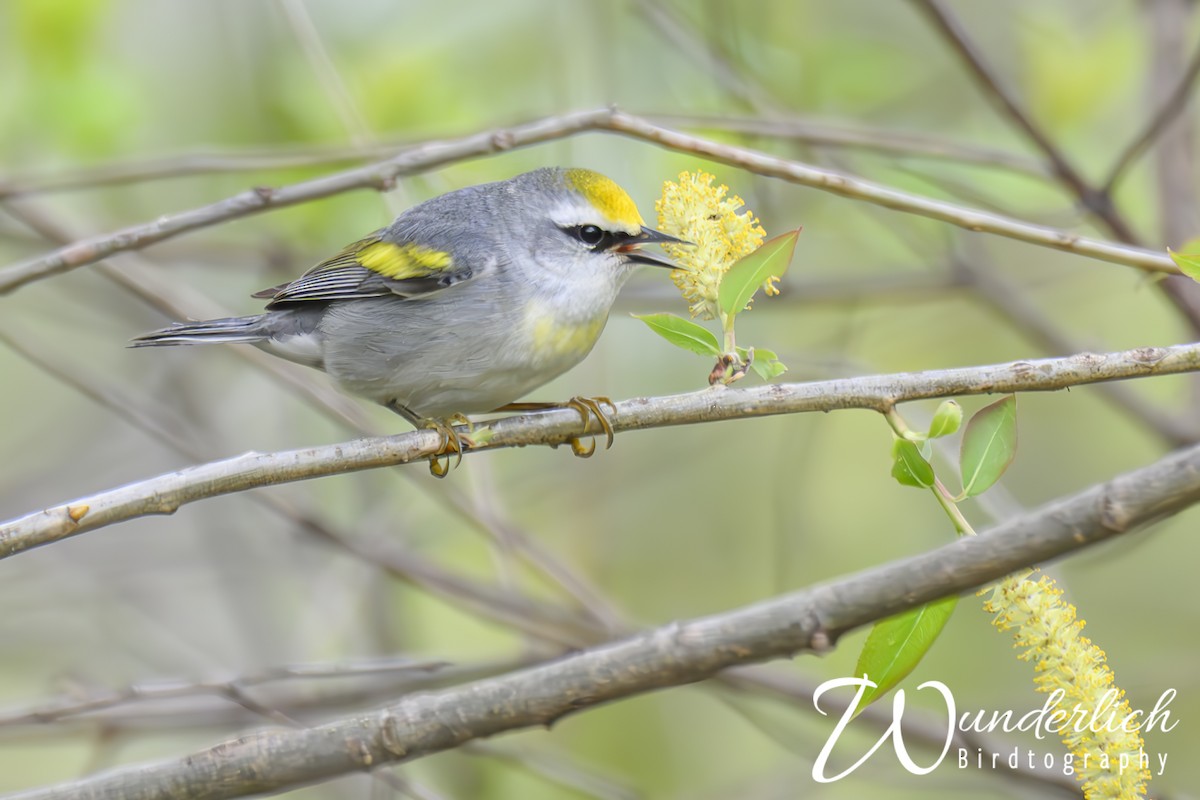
(603, 193)
(403, 261)
(553, 338)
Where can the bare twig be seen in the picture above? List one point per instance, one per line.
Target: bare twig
(185, 165)
(309, 39)
(182, 165)
(422, 157)
(952, 30)
(996, 290)
(167, 493)
(556, 770)
(414, 673)
(1171, 107)
(680, 653)
(897, 143)
(1182, 294)
(334, 88)
(683, 35)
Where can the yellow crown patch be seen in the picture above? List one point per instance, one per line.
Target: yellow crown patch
(606, 196)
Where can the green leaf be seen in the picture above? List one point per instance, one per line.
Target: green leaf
(766, 363)
(946, 420)
(989, 445)
(743, 278)
(897, 644)
(683, 333)
(1188, 263)
(768, 370)
(909, 467)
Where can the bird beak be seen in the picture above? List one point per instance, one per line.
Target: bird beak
(631, 248)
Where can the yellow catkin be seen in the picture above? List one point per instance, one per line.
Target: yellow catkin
(698, 212)
(1048, 632)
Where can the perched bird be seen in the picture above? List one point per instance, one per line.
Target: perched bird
(462, 305)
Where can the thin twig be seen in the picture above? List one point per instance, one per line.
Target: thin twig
(167, 493)
(996, 290)
(352, 118)
(811, 620)
(555, 769)
(1181, 293)
(685, 38)
(1171, 108)
(382, 176)
(994, 86)
(183, 165)
(309, 38)
(393, 676)
(896, 143)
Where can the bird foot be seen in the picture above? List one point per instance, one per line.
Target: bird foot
(450, 445)
(587, 406)
(451, 442)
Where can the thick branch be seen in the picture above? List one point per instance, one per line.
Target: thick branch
(680, 653)
(167, 493)
(382, 175)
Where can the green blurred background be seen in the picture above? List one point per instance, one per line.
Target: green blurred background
(671, 523)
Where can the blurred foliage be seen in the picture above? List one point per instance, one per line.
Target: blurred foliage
(671, 523)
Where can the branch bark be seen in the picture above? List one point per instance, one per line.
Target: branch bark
(811, 620)
(167, 493)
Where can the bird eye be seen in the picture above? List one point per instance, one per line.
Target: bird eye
(590, 235)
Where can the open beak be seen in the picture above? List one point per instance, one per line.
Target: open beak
(631, 248)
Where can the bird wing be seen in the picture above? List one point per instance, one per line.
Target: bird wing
(372, 267)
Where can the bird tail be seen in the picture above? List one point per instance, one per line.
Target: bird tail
(210, 331)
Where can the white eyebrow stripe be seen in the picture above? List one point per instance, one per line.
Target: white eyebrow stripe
(569, 215)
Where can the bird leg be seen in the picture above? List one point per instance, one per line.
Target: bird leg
(451, 442)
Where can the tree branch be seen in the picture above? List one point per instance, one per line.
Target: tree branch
(997, 291)
(1181, 293)
(1171, 107)
(167, 493)
(953, 32)
(259, 159)
(676, 654)
(896, 143)
(382, 176)
(183, 165)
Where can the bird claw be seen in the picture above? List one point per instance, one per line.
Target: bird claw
(587, 406)
(581, 450)
(451, 443)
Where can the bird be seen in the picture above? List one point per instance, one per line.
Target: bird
(464, 304)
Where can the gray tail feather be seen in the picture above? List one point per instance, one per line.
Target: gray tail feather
(209, 331)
